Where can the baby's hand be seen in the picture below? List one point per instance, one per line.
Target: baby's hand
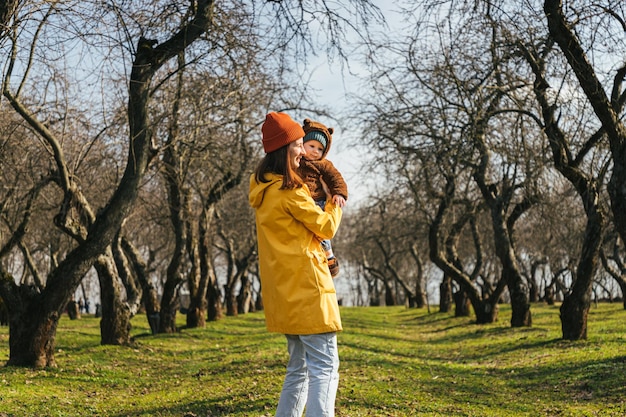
(339, 200)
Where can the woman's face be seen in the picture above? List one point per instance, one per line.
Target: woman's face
(296, 151)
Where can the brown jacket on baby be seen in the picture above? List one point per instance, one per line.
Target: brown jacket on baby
(313, 172)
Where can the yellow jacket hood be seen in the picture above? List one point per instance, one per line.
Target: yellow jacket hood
(257, 190)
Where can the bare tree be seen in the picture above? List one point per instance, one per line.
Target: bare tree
(455, 96)
(35, 315)
(574, 309)
(236, 245)
(607, 110)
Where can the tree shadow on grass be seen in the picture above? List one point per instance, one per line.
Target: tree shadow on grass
(240, 405)
(592, 383)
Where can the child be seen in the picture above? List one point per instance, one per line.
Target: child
(317, 172)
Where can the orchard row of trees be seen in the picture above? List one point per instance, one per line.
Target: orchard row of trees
(129, 130)
(499, 128)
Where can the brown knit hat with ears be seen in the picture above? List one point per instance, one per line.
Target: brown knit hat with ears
(279, 130)
(311, 128)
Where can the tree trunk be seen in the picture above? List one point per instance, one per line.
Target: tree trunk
(462, 304)
(169, 306)
(390, 298)
(617, 189)
(575, 307)
(207, 297)
(486, 313)
(32, 336)
(420, 284)
(520, 306)
(445, 294)
(231, 301)
(244, 298)
(549, 295)
(258, 303)
(196, 317)
(115, 323)
(214, 301)
(533, 295)
(4, 313)
(574, 313)
(127, 277)
(174, 278)
(498, 200)
(178, 205)
(72, 310)
(149, 296)
(374, 293)
(622, 286)
(196, 311)
(420, 296)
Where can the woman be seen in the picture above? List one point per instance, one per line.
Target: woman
(298, 292)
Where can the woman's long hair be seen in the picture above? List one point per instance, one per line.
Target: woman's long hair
(278, 162)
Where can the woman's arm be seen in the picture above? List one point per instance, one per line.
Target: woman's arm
(323, 224)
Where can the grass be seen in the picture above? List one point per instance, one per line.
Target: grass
(394, 362)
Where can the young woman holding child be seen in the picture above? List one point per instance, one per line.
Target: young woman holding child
(298, 292)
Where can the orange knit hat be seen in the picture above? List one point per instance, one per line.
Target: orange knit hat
(279, 130)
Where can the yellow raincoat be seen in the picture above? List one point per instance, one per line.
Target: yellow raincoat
(298, 292)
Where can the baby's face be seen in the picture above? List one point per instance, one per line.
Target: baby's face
(313, 149)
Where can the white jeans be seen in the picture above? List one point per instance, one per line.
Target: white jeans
(312, 376)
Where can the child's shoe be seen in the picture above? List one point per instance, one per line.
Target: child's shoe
(333, 266)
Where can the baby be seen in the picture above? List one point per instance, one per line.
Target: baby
(318, 172)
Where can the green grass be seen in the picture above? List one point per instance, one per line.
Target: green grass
(394, 362)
